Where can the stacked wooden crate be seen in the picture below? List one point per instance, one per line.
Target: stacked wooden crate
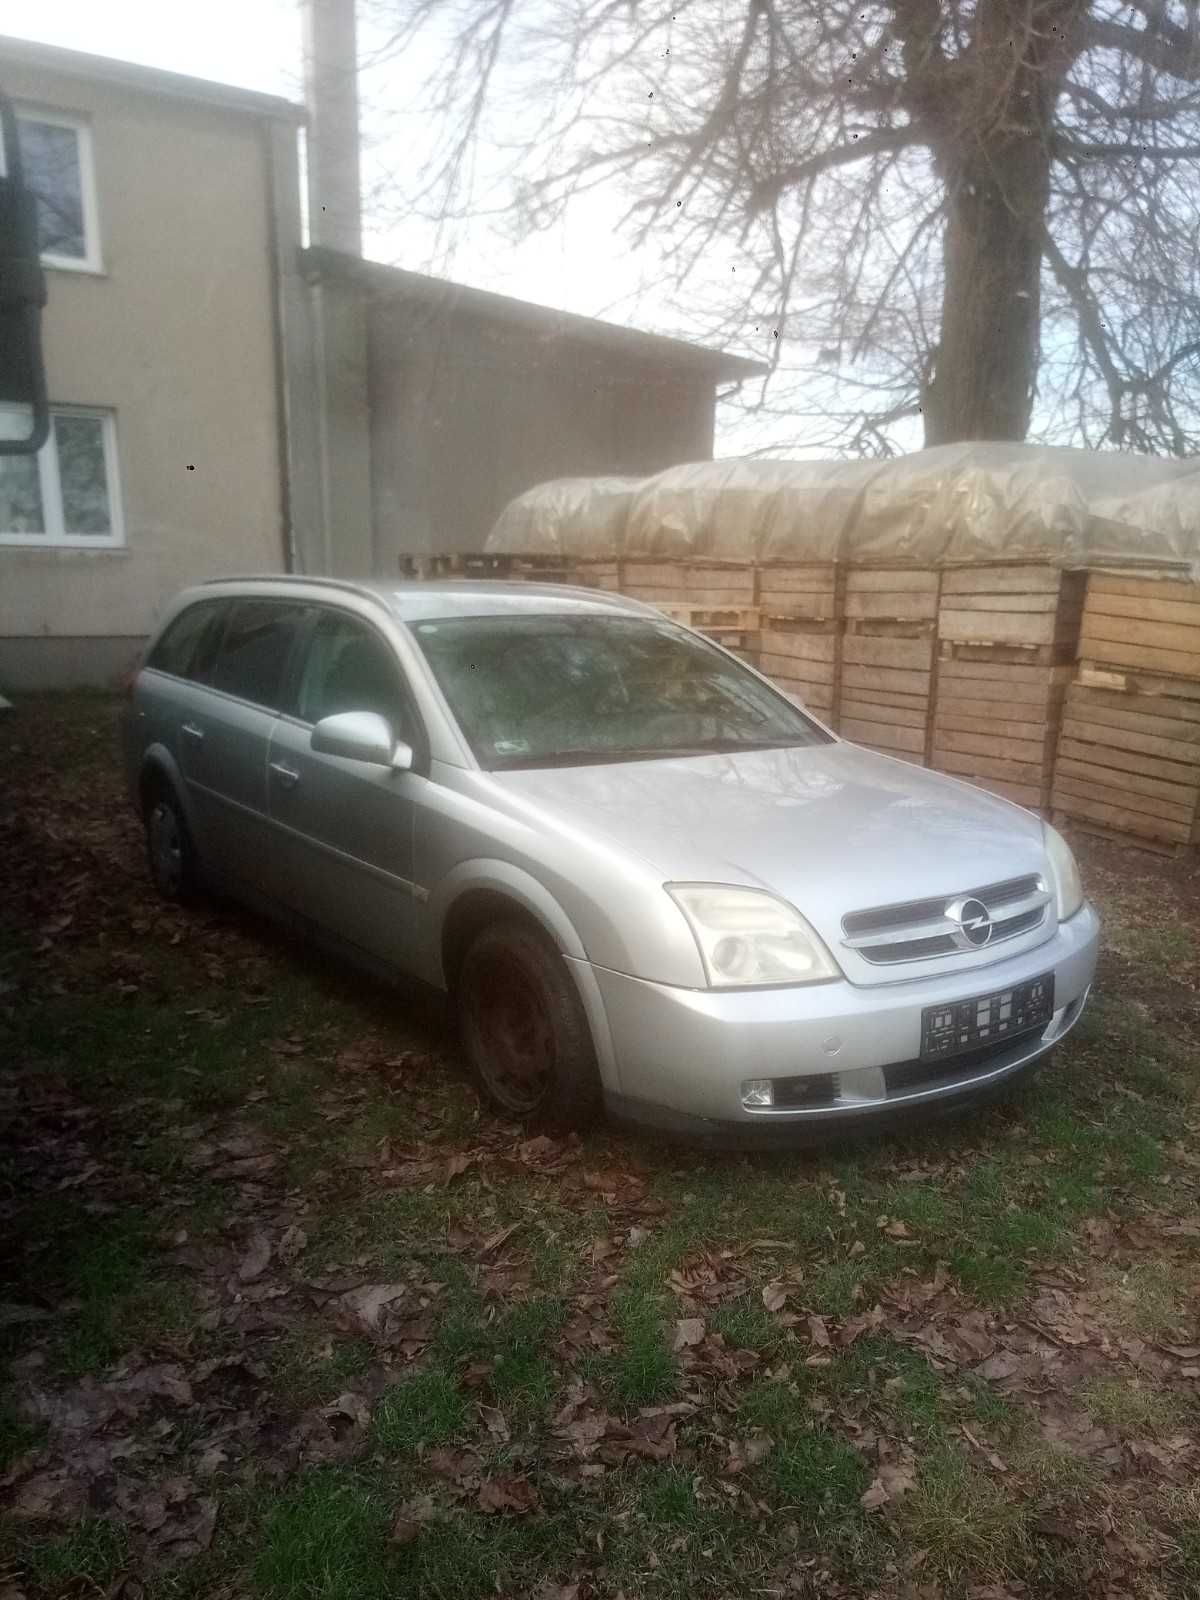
(1129, 756)
(800, 610)
(1007, 636)
(597, 574)
(887, 657)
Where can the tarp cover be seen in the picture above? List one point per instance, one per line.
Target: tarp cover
(955, 504)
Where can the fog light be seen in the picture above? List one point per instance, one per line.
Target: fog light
(758, 1092)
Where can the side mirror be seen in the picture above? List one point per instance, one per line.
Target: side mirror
(361, 736)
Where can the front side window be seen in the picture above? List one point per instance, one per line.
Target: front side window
(56, 152)
(567, 690)
(68, 493)
(188, 647)
(348, 667)
(255, 650)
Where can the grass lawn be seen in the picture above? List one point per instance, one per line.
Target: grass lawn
(286, 1314)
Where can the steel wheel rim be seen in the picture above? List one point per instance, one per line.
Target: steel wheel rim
(166, 847)
(513, 1034)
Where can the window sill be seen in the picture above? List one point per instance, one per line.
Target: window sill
(87, 269)
(105, 547)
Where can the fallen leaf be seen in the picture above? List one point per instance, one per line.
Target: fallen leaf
(368, 1303)
(689, 1331)
(411, 1517)
(254, 1262)
(774, 1296)
(507, 1494)
(818, 1332)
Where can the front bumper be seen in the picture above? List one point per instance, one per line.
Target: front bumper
(682, 1055)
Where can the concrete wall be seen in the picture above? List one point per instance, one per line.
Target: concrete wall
(178, 335)
(467, 412)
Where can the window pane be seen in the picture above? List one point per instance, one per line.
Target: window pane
(187, 647)
(254, 652)
(349, 668)
(51, 156)
(20, 485)
(83, 475)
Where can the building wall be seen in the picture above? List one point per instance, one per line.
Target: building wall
(467, 412)
(178, 336)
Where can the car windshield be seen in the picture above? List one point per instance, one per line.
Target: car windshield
(556, 690)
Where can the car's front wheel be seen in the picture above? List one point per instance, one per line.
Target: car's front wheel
(524, 1031)
(169, 849)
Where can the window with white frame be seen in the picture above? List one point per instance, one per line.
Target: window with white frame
(67, 494)
(56, 151)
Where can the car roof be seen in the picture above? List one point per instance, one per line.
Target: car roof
(449, 597)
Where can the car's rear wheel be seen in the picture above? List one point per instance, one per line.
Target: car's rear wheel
(172, 856)
(523, 1029)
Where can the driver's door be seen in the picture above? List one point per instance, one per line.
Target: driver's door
(344, 829)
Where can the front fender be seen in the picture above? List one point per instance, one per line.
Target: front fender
(524, 890)
(158, 759)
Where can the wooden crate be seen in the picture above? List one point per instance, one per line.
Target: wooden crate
(1128, 759)
(595, 574)
(884, 692)
(996, 723)
(1150, 624)
(1006, 638)
(1032, 610)
(886, 678)
(806, 590)
(802, 658)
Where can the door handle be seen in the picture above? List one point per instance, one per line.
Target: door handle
(191, 731)
(288, 776)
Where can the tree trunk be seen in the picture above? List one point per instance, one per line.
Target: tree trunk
(994, 156)
(987, 359)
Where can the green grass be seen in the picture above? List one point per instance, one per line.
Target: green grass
(419, 1412)
(86, 1559)
(325, 1538)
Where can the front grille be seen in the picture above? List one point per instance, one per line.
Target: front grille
(918, 930)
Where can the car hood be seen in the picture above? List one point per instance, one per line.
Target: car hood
(832, 828)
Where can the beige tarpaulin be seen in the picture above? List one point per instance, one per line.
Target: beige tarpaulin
(956, 504)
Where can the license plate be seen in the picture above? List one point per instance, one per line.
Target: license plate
(960, 1025)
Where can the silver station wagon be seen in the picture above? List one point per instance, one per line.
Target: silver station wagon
(649, 881)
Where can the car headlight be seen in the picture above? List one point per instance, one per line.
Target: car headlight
(1065, 871)
(747, 936)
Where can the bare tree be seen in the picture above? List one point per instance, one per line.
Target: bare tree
(985, 214)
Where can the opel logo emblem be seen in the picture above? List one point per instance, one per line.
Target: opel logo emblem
(972, 917)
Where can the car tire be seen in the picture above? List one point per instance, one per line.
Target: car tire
(523, 1029)
(174, 866)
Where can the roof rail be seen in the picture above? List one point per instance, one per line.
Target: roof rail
(360, 589)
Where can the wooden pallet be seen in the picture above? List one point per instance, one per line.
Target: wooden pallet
(1149, 624)
(712, 619)
(1130, 762)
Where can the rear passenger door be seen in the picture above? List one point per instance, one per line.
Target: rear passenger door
(225, 731)
(344, 829)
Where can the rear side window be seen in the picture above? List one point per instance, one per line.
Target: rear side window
(255, 649)
(188, 647)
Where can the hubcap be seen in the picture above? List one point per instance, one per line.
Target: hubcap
(514, 1038)
(166, 848)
